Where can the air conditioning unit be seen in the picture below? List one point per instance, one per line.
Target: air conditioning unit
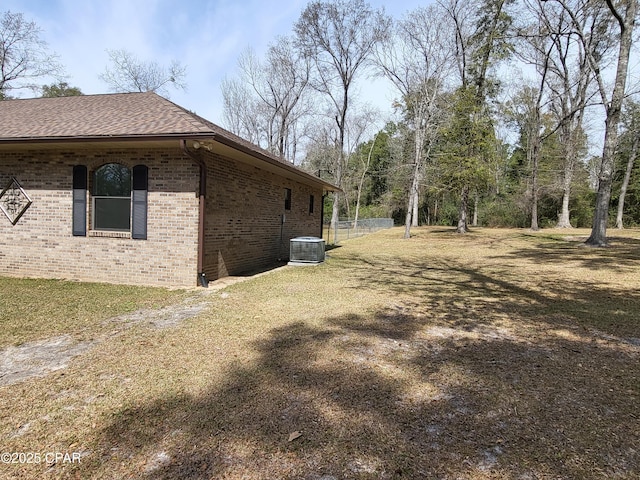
(306, 250)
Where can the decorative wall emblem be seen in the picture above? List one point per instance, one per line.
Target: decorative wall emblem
(14, 201)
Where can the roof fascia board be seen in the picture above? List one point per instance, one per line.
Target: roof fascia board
(105, 139)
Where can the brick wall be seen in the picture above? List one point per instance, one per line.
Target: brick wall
(244, 212)
(41, 244)
(245, 205)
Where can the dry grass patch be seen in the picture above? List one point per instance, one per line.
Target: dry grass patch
(500, 354)
(33, 309)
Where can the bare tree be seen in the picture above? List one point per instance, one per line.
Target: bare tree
(321, 148)
(418, 62)
(278, 84)
(619, 26)
(570, 78)
(127, 73)
(360, 124)
(538, 39)
(240, 111)
(623, 18)
(339, 37)
(461, 18)
(24, 57)
(366, 164)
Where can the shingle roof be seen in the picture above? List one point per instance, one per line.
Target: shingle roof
(125, 114)
(116, 116)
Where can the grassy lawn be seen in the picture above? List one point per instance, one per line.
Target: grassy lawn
(500, 354)
(37, 309)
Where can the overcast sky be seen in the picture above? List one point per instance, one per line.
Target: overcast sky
(206, 36)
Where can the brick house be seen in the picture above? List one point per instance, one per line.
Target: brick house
(131, 188)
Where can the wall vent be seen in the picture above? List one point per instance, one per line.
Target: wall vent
(306, 250)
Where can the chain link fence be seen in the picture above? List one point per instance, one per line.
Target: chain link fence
(349, 229)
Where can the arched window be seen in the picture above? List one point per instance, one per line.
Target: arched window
(112, 198)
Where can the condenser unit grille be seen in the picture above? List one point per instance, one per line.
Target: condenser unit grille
(307, 250)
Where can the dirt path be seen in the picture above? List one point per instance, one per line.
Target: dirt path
(42, 357)
(39, 358)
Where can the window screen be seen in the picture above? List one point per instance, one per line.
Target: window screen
(112, 197)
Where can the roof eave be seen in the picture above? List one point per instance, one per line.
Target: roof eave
(329, 187)
(104, 138)
(211, 136)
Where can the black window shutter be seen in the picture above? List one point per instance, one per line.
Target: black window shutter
(79, 201)
(139, 202)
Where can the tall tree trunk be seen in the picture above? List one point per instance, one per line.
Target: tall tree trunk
(534, 143)
(334, 216)
(435, 211)
(598, 237)
(412, 207)
(570, 130)
(407, 220)
(534, 202)
(462, 213)
(357, 212)
(335, 212)
(474, 223)
(625, 182)
(416, 209)
(413, 194)
(564, 220)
